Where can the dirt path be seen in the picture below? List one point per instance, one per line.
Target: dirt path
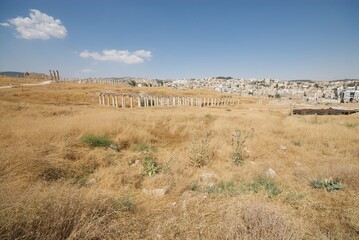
(27, 84)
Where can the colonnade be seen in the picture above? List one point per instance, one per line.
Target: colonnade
(131, 101)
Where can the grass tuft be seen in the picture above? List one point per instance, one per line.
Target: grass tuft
(96, 140)
(260, 182)
(350, 125)
(150, 166)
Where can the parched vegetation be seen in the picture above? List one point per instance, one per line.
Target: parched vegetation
(96, 141)
(328, 184)
(70, 169)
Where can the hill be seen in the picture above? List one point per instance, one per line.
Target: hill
(12, 74)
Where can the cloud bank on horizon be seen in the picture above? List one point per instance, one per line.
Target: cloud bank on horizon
(37, 26)
(123, 56)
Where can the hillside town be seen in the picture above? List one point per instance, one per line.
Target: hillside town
(311, 91)
(319, 91)
(345, 90)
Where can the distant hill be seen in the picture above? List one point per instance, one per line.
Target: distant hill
(301, 80)
(345, 80)
(12, 74)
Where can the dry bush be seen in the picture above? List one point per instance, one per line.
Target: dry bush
(197, 217)
(199, 151)
(260, 221)
(61, 212)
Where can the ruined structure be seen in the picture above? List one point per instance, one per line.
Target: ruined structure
(129, 100)
(34, 75)
(54, 75)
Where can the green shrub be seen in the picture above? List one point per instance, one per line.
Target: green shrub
(297, 143)
(350, 125)
(263, 183)
(150, 166)
(328, 184)
(208, 116)
(195, 187)
(124, 204)
(96, 141)
(227, 188)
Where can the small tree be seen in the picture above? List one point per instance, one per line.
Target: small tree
(132, 83)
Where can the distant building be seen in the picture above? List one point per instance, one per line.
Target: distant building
(349, 95)
(34, 75)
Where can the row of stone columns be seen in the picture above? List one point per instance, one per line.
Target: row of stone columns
(113, 100)
(150, 101)
(112, 82)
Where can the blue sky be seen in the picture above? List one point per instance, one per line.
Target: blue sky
(299, 39)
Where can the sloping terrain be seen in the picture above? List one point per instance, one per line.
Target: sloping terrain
(70, 169)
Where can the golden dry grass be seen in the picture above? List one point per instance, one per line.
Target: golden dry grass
(5, 81)
(55, 187)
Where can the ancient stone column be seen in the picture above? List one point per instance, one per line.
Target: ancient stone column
(168, 101)
(123, 101)
(57, 75)
(173, 101)
(103, 99)
(99, 99)
(138, 101)
(131, 101)
(116, 101)
(204, 101)
(200, 102)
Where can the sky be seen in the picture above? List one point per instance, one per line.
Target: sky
(174, 39)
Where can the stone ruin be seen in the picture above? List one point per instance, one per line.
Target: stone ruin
(54, 75)
(130, 100)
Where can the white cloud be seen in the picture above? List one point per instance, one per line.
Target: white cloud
(123, 56)
(5, 24)
(37, 26)
(88, 70)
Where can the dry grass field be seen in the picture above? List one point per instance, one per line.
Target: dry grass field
(59, 179)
